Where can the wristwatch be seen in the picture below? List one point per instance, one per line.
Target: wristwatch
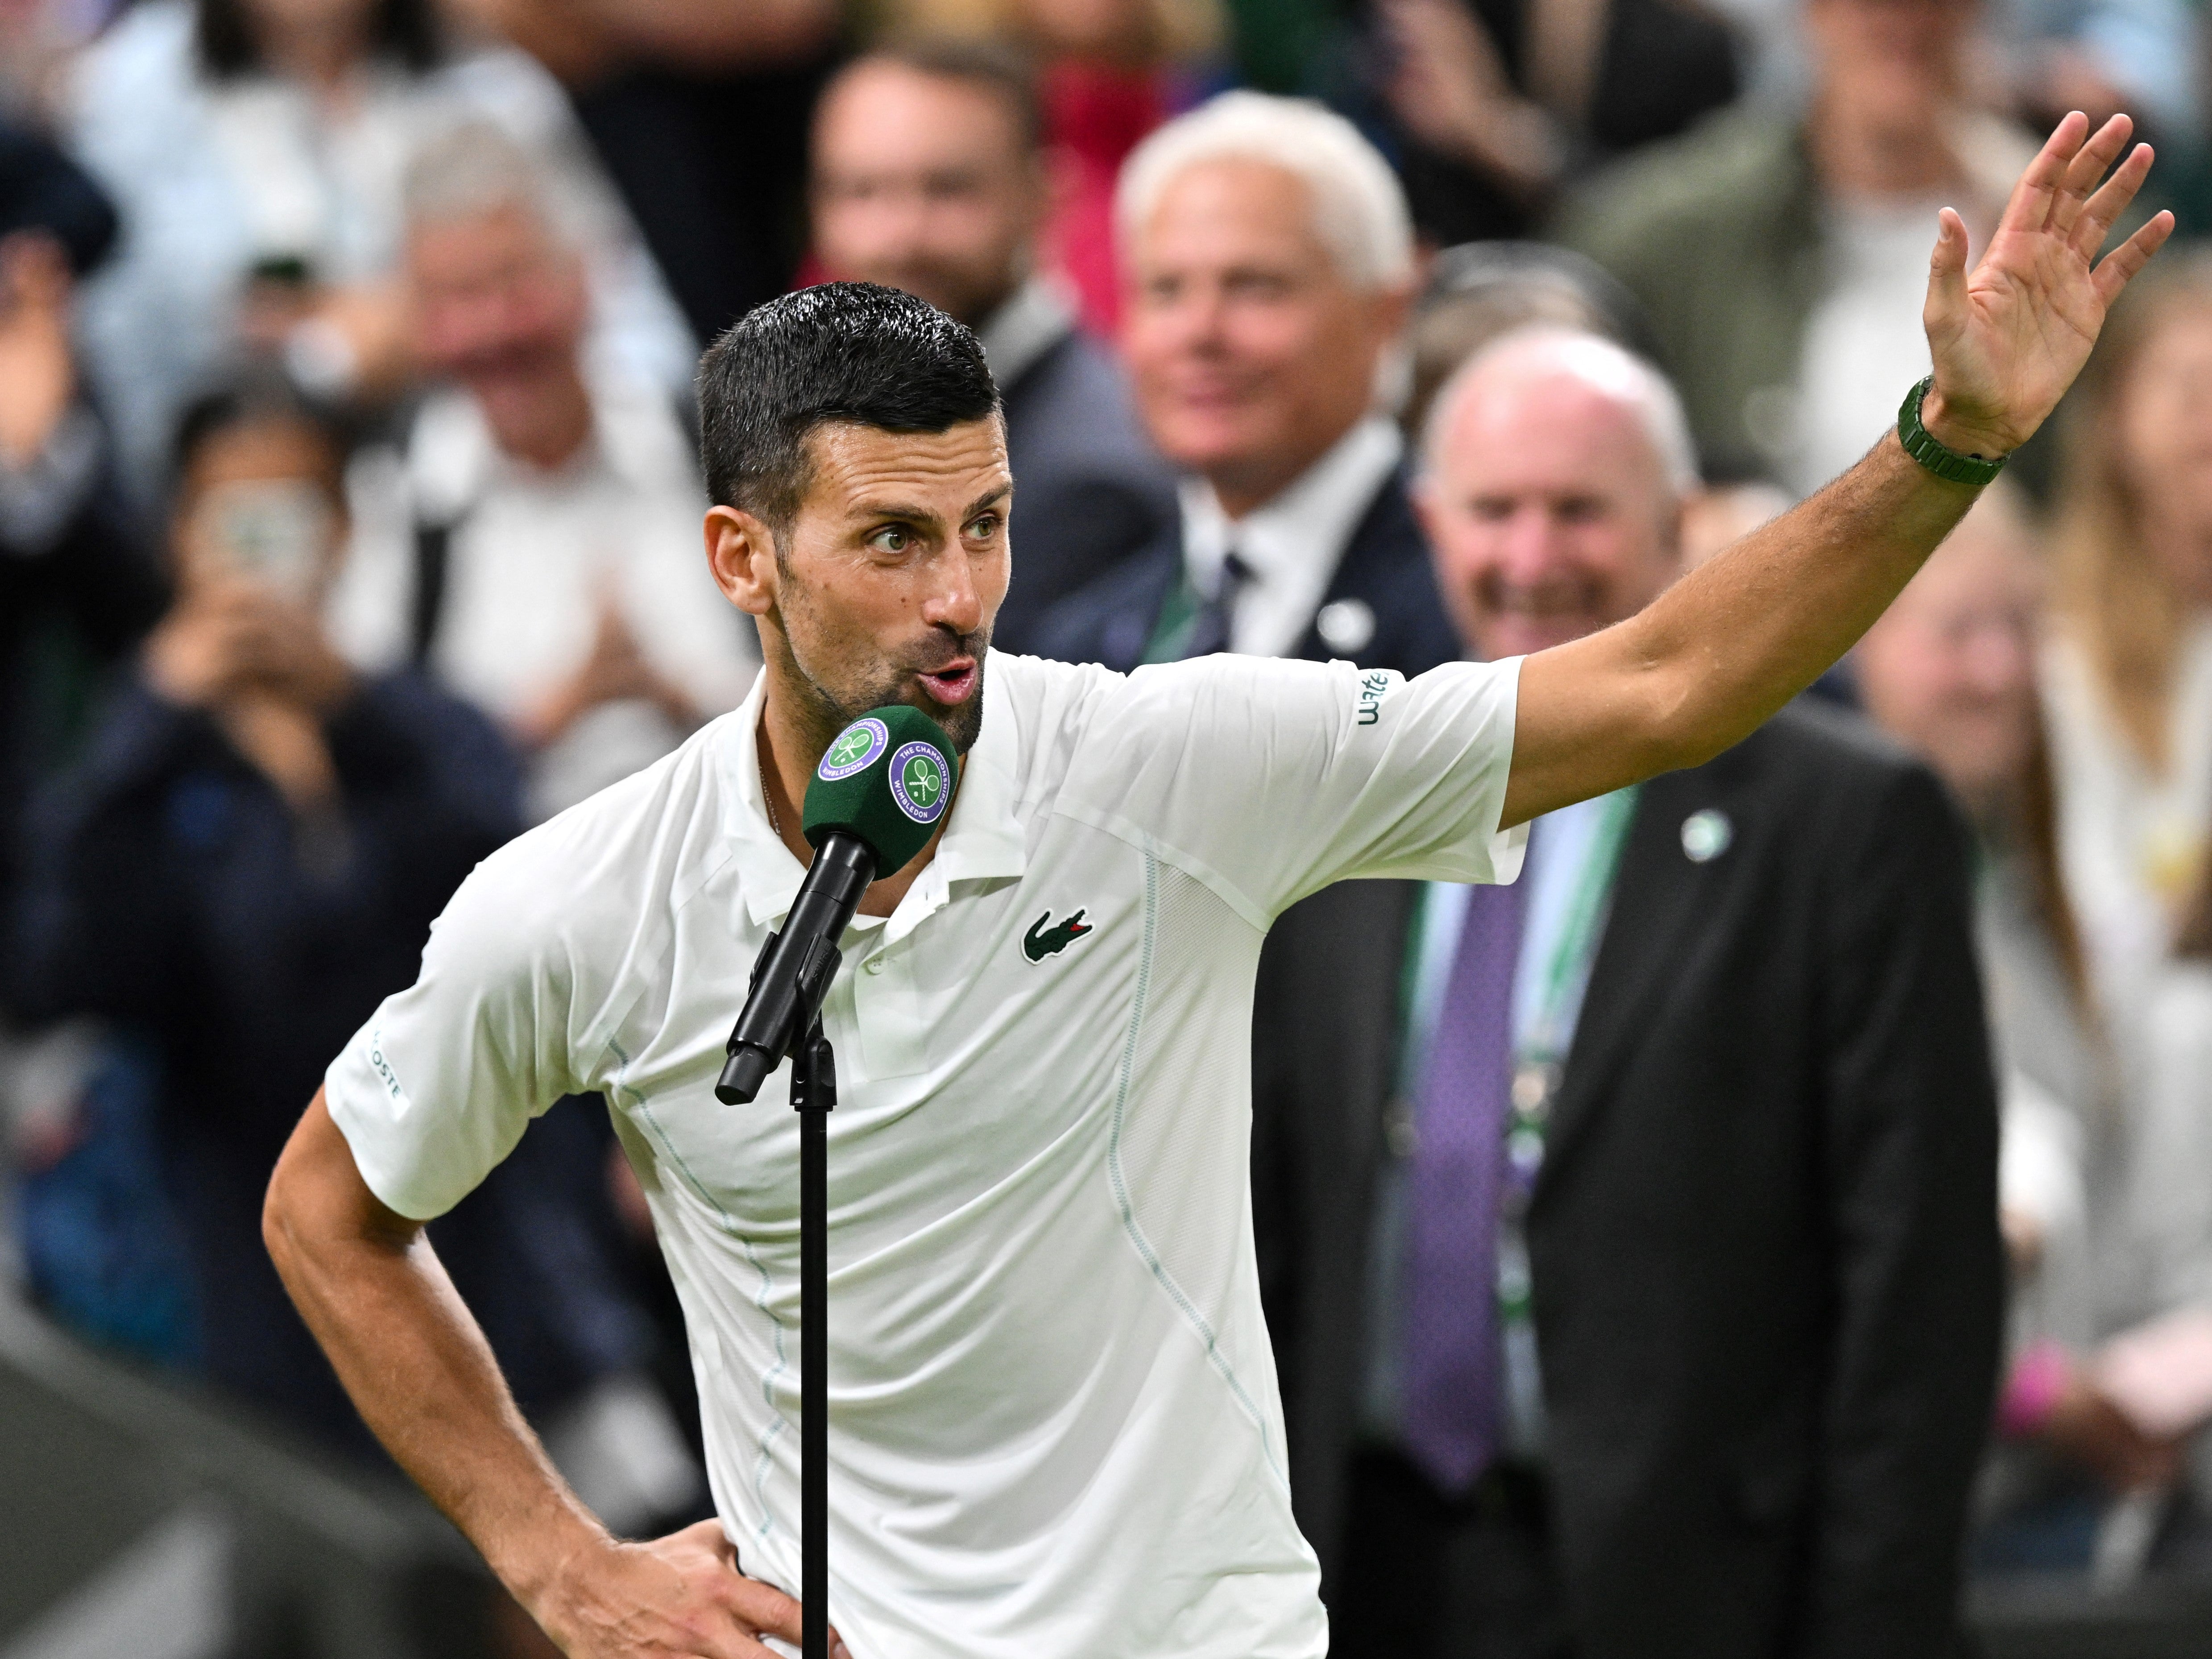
(1925, 447)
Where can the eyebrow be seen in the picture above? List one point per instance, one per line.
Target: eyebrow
(908, 514)
(989, 497)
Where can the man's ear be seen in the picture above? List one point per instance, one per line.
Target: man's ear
(1393, 310)
(1422, 493)
(741, 552)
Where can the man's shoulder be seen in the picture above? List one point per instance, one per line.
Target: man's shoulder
(1832, 774)
(1048, 701)
(639, 847)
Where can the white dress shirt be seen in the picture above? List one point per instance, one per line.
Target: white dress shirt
(1054, 1426)
(533, 557)
(1292, 544)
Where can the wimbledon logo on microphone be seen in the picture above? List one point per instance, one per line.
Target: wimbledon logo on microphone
(918, 782)
(857, 745)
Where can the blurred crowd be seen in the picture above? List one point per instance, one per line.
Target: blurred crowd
(1836, 1118)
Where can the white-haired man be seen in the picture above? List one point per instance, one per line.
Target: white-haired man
(540, 555)
(1661, 1304)
(1269, 262)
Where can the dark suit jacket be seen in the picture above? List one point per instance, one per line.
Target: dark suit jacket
(1765, 1243)
(1385, 566)
(1088, 487)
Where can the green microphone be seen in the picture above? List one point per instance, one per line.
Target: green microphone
(882, 787)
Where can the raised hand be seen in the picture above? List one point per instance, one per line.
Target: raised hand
(2007, 340)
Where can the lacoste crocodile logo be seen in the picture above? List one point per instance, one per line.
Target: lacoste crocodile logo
(1042, 941)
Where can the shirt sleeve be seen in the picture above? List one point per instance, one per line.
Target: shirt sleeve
(437, 1089)
(1269, 779)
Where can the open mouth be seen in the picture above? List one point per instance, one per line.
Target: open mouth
(954, 683)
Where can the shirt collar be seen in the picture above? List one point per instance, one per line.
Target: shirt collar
(1032, 322)
(1307, 524)
(984, 840)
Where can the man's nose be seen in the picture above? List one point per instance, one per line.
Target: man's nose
(1531, 546)
(1195, 320)
(954, 601)
(894, 222)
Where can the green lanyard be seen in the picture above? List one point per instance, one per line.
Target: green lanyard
(1178, 611)
(1540, 1054)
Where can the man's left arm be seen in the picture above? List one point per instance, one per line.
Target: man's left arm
(1909, 1189)
(1703, 665)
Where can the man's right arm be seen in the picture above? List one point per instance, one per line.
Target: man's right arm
(1703, 665)
(415, 1363)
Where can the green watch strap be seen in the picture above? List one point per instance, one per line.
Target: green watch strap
(1925, 447)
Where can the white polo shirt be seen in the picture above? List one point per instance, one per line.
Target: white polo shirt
(1054, 1427)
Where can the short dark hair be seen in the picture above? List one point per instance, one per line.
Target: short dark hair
(405, 31)
(843, 352)
(1000, 69)
(258, 397)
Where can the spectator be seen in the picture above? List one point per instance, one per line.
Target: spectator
(256, 842)
(1499, 102)
(1665, 1319)
(249, 857)
(1784, 259)
(1270, 270)
(1950, 671)
(2129, 667)
(255, 149)
(929, 176)
(540, 555)
(1110, 74)
(76, 589)
(699, 112)
(1479, 291)
(2089, 1203)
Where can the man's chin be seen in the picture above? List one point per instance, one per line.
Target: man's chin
(962, 721)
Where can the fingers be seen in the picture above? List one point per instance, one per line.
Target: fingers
(2029, 210)
(2118, 268)
(766, 1609)
(769, 1612)
(1947, 269)
(2083, 172)
(2097, 215)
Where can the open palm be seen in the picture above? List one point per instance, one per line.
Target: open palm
(2007, 340)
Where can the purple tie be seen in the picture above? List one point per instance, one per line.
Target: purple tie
(1448, 1374)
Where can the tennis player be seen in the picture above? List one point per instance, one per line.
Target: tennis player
(1053, 1420)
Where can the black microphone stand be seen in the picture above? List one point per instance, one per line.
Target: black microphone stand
(814, 1097)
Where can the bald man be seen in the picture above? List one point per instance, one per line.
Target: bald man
(1628, 1237)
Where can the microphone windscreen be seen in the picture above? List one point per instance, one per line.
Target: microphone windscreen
(888, 779)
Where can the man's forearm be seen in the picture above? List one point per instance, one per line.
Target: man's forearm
(415, 1363)
(1731, 642)
(1752, 628)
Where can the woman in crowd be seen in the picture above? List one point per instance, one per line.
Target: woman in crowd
(2129, 670)
(1951, 671)
(248, 859)
(256, 150)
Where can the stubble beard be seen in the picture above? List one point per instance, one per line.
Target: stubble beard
(827, 707)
